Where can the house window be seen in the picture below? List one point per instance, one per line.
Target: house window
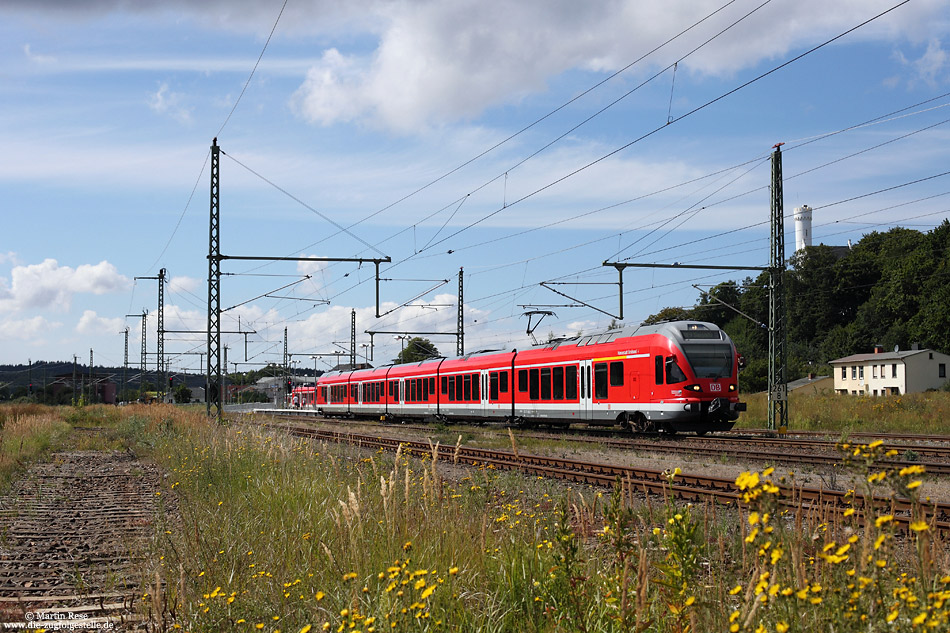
(861, 372)
(874, 372)
(844, 373)
(942, 370)
(894, 370)
(854, 373)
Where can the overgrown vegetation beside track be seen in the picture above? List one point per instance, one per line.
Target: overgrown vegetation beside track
(925, 413)
(27, 432)
(277, 533)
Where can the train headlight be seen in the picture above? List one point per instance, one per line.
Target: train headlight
(732, 387)
(695, 388)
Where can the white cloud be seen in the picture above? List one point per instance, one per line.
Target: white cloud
(51, 286)
(164, 101)
(933, 65)
(92, 323)
(39, 59)
(32, 329)
(184, 284)
(311, 267)
(9, 258)
(438, 62)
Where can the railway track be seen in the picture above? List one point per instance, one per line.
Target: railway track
(864, 436)
(772, 450)
(686, 486)
(72, 531)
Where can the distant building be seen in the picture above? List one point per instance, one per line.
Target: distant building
(890, 373)
(98, 388)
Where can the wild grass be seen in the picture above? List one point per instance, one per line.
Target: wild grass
(276, 533)
(827, 411)
(27, 432)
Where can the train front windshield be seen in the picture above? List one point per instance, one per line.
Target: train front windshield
(709, 360)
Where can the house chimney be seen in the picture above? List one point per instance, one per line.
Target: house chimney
(878, 349)
(811, 376)
(915, 347)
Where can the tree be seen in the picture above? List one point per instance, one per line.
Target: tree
(182, 394)
(417, 349)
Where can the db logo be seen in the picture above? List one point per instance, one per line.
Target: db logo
(715, 387)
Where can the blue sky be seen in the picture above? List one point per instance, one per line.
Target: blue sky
(108, 108)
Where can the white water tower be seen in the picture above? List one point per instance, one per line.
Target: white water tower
(802, 227)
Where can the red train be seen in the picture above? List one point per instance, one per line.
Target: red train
(677, 376)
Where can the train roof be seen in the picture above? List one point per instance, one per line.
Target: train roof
(677, 330)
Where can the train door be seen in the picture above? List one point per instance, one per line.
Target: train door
(586, 390)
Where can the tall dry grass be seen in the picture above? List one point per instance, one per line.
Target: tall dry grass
(27, 432)
(275, 533)
(827, 411)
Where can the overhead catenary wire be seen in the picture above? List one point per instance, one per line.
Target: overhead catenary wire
(507, 205)
(253, 70)
(564, 134)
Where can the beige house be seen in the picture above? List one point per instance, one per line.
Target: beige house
(890, 373)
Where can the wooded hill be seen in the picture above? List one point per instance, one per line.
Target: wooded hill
(890, 289)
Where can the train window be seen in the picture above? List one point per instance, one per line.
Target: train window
(432, 385)
(466, 388)
(673, 372)
(445, 385)
(570, 382)
(476, 396)
(534, 384)
(493, 385)
(425, 389)
(412, 391)
(709, 360)
(582, 382)
(546, 383)
(503, 382)
(616, 374)
(557, 383)
(451, 392)
(522, 380)
(600, 380)
(658, 363)
(459, 388)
